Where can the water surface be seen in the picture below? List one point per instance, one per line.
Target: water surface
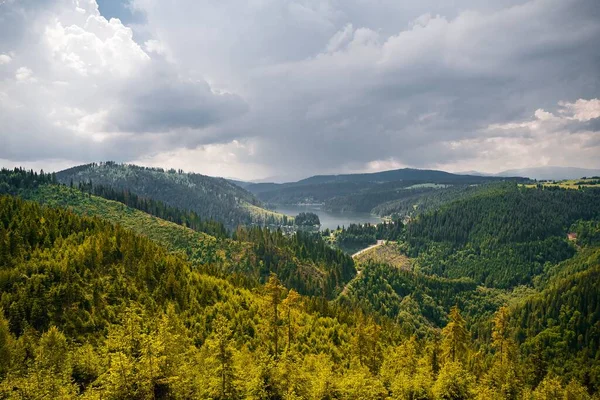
(329, 219)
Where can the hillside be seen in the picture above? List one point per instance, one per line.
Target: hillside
(383, 193)
(302, 262)
(211, 198)
(404, 174)
(501, 237)
(131, 310)
(90, 309)
(387, 253)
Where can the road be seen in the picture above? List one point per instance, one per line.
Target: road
(379, 243)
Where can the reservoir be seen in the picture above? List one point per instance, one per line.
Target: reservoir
(329, 219)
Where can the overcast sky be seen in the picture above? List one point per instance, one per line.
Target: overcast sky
(289, 88)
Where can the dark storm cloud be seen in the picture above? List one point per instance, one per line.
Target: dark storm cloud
(159, 101)
(304, 86)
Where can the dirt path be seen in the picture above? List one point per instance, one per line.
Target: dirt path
(379, 243)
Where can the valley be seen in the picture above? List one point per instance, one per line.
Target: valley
(261, 200)
(329, 220)
(126, 278)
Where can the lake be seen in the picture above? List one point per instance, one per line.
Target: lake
(329, 219)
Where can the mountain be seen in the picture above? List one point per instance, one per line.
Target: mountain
(500, 237)
(302, 261)
(551, 173)
(383, 193)
(404, 174)
(210, 198)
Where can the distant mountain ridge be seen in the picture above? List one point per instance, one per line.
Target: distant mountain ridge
(210, 198)
(402, 174)
(551, 173)
(374, 188)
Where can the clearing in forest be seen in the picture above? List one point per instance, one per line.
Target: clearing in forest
(387, 253)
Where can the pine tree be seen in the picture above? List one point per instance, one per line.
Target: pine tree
(6, 345)
(289, 303)
(274, 290)
(455, 343)
(221, 349)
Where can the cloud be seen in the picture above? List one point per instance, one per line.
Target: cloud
(170, 103)
(564, 137)
(24, 74)
(85, 90)
(305, 86)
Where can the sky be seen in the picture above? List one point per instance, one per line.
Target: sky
(284, 89)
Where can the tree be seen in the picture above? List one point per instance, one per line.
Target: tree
(455, 343)
(454, 382)
(549, 389)
(6, 345)
(366, 343)
(289, 303)
(575, 391)
(503, 377)
(274, 290)
(501, 341)
(52, 367)
(220, 345)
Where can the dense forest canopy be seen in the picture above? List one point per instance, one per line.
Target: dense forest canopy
(502, 236)
(405, 192)
(302, 261)
(210, 198)
(106, 293)
(307, 219)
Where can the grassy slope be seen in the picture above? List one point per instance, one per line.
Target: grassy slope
(174, 237)
(261, 214)
(567, 184)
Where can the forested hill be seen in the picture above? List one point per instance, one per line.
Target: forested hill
(303, 261)
(210, 198)
(364, 192)
(404, 174)
(503, 236)
(115, 303)
(92, 310)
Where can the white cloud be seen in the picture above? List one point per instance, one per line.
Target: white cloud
(226, 160)
(24, 74)
(5, 59)
(306, 86)
(549, 139)
(91, 89)
(581, 110)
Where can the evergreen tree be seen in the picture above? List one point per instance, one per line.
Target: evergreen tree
(274, 291)
(222, 352)
(455, 343)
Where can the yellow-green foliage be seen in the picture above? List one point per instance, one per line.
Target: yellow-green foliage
(388, 253)
(93, 310)
(242, 262)
(200, 248)
(260, 214)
